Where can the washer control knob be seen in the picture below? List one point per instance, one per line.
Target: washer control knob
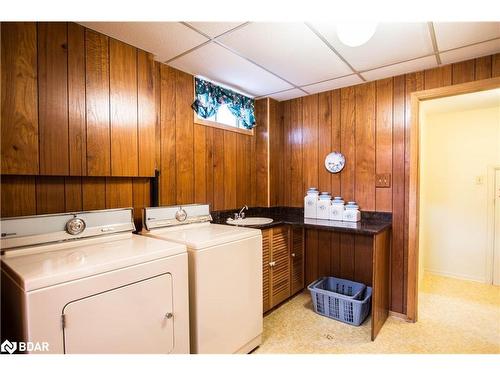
(75, 226)
(181, 214)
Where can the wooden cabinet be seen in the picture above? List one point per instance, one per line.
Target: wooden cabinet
(358, 257)
(266, 258)
(75, 103)
(282, 264)
(296, 259)
(279, 265)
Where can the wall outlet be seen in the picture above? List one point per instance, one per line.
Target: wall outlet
(383, 180)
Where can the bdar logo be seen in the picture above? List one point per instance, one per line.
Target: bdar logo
(9, 347)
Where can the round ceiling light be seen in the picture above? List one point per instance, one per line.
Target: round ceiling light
(354, 34)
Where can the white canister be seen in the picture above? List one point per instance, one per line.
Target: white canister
(324, 206)
(310, 203)
(351, 212)
(337, 209)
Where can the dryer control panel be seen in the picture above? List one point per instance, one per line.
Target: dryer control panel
(160, 217)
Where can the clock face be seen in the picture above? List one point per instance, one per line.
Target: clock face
(334, 162)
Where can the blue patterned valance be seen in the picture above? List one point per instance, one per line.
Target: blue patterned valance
(210, 97)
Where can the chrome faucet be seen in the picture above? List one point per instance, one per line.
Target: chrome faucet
(241, 214)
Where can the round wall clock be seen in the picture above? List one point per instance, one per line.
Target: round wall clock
(334, 162)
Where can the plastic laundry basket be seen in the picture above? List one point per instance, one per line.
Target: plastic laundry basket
(337, 306)
(347, 288)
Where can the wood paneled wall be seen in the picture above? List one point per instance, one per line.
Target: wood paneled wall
(31, 195)
(369, 124)
(343, 255)
(71, 101)
(203, 164)
(77, 103)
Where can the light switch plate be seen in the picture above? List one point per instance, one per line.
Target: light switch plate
(479, 180)
(383, 180)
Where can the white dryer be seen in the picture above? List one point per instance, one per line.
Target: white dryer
(84, 283)
(225, 277)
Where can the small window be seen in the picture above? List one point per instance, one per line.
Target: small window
(215, 105)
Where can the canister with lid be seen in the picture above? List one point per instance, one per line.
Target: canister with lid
(351, 212)
(311, 202)
(324, 206)
(337, 209)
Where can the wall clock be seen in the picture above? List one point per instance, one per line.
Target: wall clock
(334, 162)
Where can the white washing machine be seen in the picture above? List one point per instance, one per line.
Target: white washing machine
(225, 277)
(84, 283)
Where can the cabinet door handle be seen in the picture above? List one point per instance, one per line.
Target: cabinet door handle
(272, 264)
(293, 255)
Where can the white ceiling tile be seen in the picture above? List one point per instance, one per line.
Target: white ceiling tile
(465, 53)
(402, 68)
(286, 95)
(457, 34)
(213, 29)
(391, 43)
(290, 50)
(164, 39)
(332, 84)
(217, 63)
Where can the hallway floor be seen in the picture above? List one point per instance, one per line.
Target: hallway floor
(455, 316)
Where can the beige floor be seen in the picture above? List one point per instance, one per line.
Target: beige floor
(455, 316)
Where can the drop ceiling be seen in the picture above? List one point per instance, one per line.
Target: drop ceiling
(287, 60)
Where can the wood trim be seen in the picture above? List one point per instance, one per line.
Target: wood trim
(416, 98)
(380, 281)
(463, 88)
(397, 315)
(218, 125)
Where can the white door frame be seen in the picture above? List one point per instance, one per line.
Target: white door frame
(490, 254)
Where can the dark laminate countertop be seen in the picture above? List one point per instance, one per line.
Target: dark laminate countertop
(371, 222)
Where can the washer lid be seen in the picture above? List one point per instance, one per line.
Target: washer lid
(200, 236)
(89, 257)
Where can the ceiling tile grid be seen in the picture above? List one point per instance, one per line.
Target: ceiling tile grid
(332, 84)
(289, 49)
(214, 29)
(221, 65)
(422, 63)
(475, 50)
(164, 39)
(391, 43)
(458, 34)
(286, 95)
(287, 60)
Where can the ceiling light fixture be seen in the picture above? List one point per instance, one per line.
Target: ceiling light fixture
(354, 34)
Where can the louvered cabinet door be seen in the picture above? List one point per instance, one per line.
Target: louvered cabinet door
(266, 258)
(296, 259)
(280, 265)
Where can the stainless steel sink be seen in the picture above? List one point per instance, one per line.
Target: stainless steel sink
(249, 221)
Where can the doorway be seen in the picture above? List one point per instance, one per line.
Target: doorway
(413, 206)
(496, 230)
(459, 144)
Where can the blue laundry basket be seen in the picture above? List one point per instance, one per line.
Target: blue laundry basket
(352, 308)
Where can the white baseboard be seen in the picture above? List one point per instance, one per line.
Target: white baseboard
(457, 276)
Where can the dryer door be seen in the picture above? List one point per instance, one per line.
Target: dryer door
(135, 318)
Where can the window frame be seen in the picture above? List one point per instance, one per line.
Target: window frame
(218, 125)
